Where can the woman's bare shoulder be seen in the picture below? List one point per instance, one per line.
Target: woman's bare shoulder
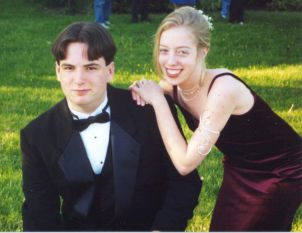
(226, 85)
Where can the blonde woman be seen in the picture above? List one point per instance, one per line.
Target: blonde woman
(261, 188)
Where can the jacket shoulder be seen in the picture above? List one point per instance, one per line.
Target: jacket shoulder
(123, 97)
(44, 119)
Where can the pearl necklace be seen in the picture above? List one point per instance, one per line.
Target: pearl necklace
(190, 94)
(191, 91)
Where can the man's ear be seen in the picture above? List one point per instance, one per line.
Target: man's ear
(111, 69)
(57, 67)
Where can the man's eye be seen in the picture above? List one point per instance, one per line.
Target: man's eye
(67, 68)
(91, 68)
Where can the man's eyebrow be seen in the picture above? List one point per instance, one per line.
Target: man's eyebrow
(92, 64)
(66, 64)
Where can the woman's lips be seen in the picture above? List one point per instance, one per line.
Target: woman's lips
(173, 73)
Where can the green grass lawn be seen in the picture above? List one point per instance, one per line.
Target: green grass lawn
(265, 52)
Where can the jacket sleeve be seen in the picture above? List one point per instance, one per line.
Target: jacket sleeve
(182, 193)
(41, 207)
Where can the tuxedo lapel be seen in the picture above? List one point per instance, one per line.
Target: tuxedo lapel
(74, 161)
(64, 125)
(125, 150)
(125, 157)
(78, 172)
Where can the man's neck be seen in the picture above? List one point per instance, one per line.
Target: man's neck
(85, 114)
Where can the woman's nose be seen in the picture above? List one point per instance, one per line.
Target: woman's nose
(171, 59)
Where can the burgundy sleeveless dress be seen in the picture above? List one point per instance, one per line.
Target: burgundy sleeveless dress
(262, 183)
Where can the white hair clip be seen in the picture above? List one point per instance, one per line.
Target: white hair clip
(208, 19)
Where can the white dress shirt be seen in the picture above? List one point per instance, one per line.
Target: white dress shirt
(95, 138)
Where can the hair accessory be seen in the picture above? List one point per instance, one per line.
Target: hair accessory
(208, 19)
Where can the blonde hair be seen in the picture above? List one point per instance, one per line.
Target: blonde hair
(193, 19)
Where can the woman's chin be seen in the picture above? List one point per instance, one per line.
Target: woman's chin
(172, 80)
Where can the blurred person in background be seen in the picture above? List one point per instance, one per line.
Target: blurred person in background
(180, 3)
(102, 12)
(237, 11)
(225, 7)
(140, 11)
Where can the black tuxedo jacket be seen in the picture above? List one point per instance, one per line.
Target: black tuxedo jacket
(59, 184)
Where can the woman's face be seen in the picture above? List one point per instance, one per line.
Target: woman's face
(178, 58)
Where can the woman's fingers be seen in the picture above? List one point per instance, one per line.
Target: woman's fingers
(137, 98)
(142, 91)
(133, 94)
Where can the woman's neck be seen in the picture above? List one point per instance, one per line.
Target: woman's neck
(190, 89)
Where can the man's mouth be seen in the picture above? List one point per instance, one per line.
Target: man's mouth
(81, 91)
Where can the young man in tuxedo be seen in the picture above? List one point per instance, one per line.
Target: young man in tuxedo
(95, 161)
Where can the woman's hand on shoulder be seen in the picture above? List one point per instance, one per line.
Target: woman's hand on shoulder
(146, 92)
(167, 87)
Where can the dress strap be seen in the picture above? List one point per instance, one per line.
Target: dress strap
(224, 74)
(175, 95)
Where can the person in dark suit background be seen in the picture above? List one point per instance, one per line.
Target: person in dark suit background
(95, 161)
(140, 11)
(180, 3)
(237, 11)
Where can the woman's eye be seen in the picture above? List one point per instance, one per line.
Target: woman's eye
(183, 52)
(163, 51)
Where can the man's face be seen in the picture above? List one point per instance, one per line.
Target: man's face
(83, 82)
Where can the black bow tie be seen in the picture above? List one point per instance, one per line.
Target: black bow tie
(81, 125)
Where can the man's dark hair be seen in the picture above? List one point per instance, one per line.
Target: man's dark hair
(97, 38)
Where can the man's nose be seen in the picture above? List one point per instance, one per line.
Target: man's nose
(79, 76)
